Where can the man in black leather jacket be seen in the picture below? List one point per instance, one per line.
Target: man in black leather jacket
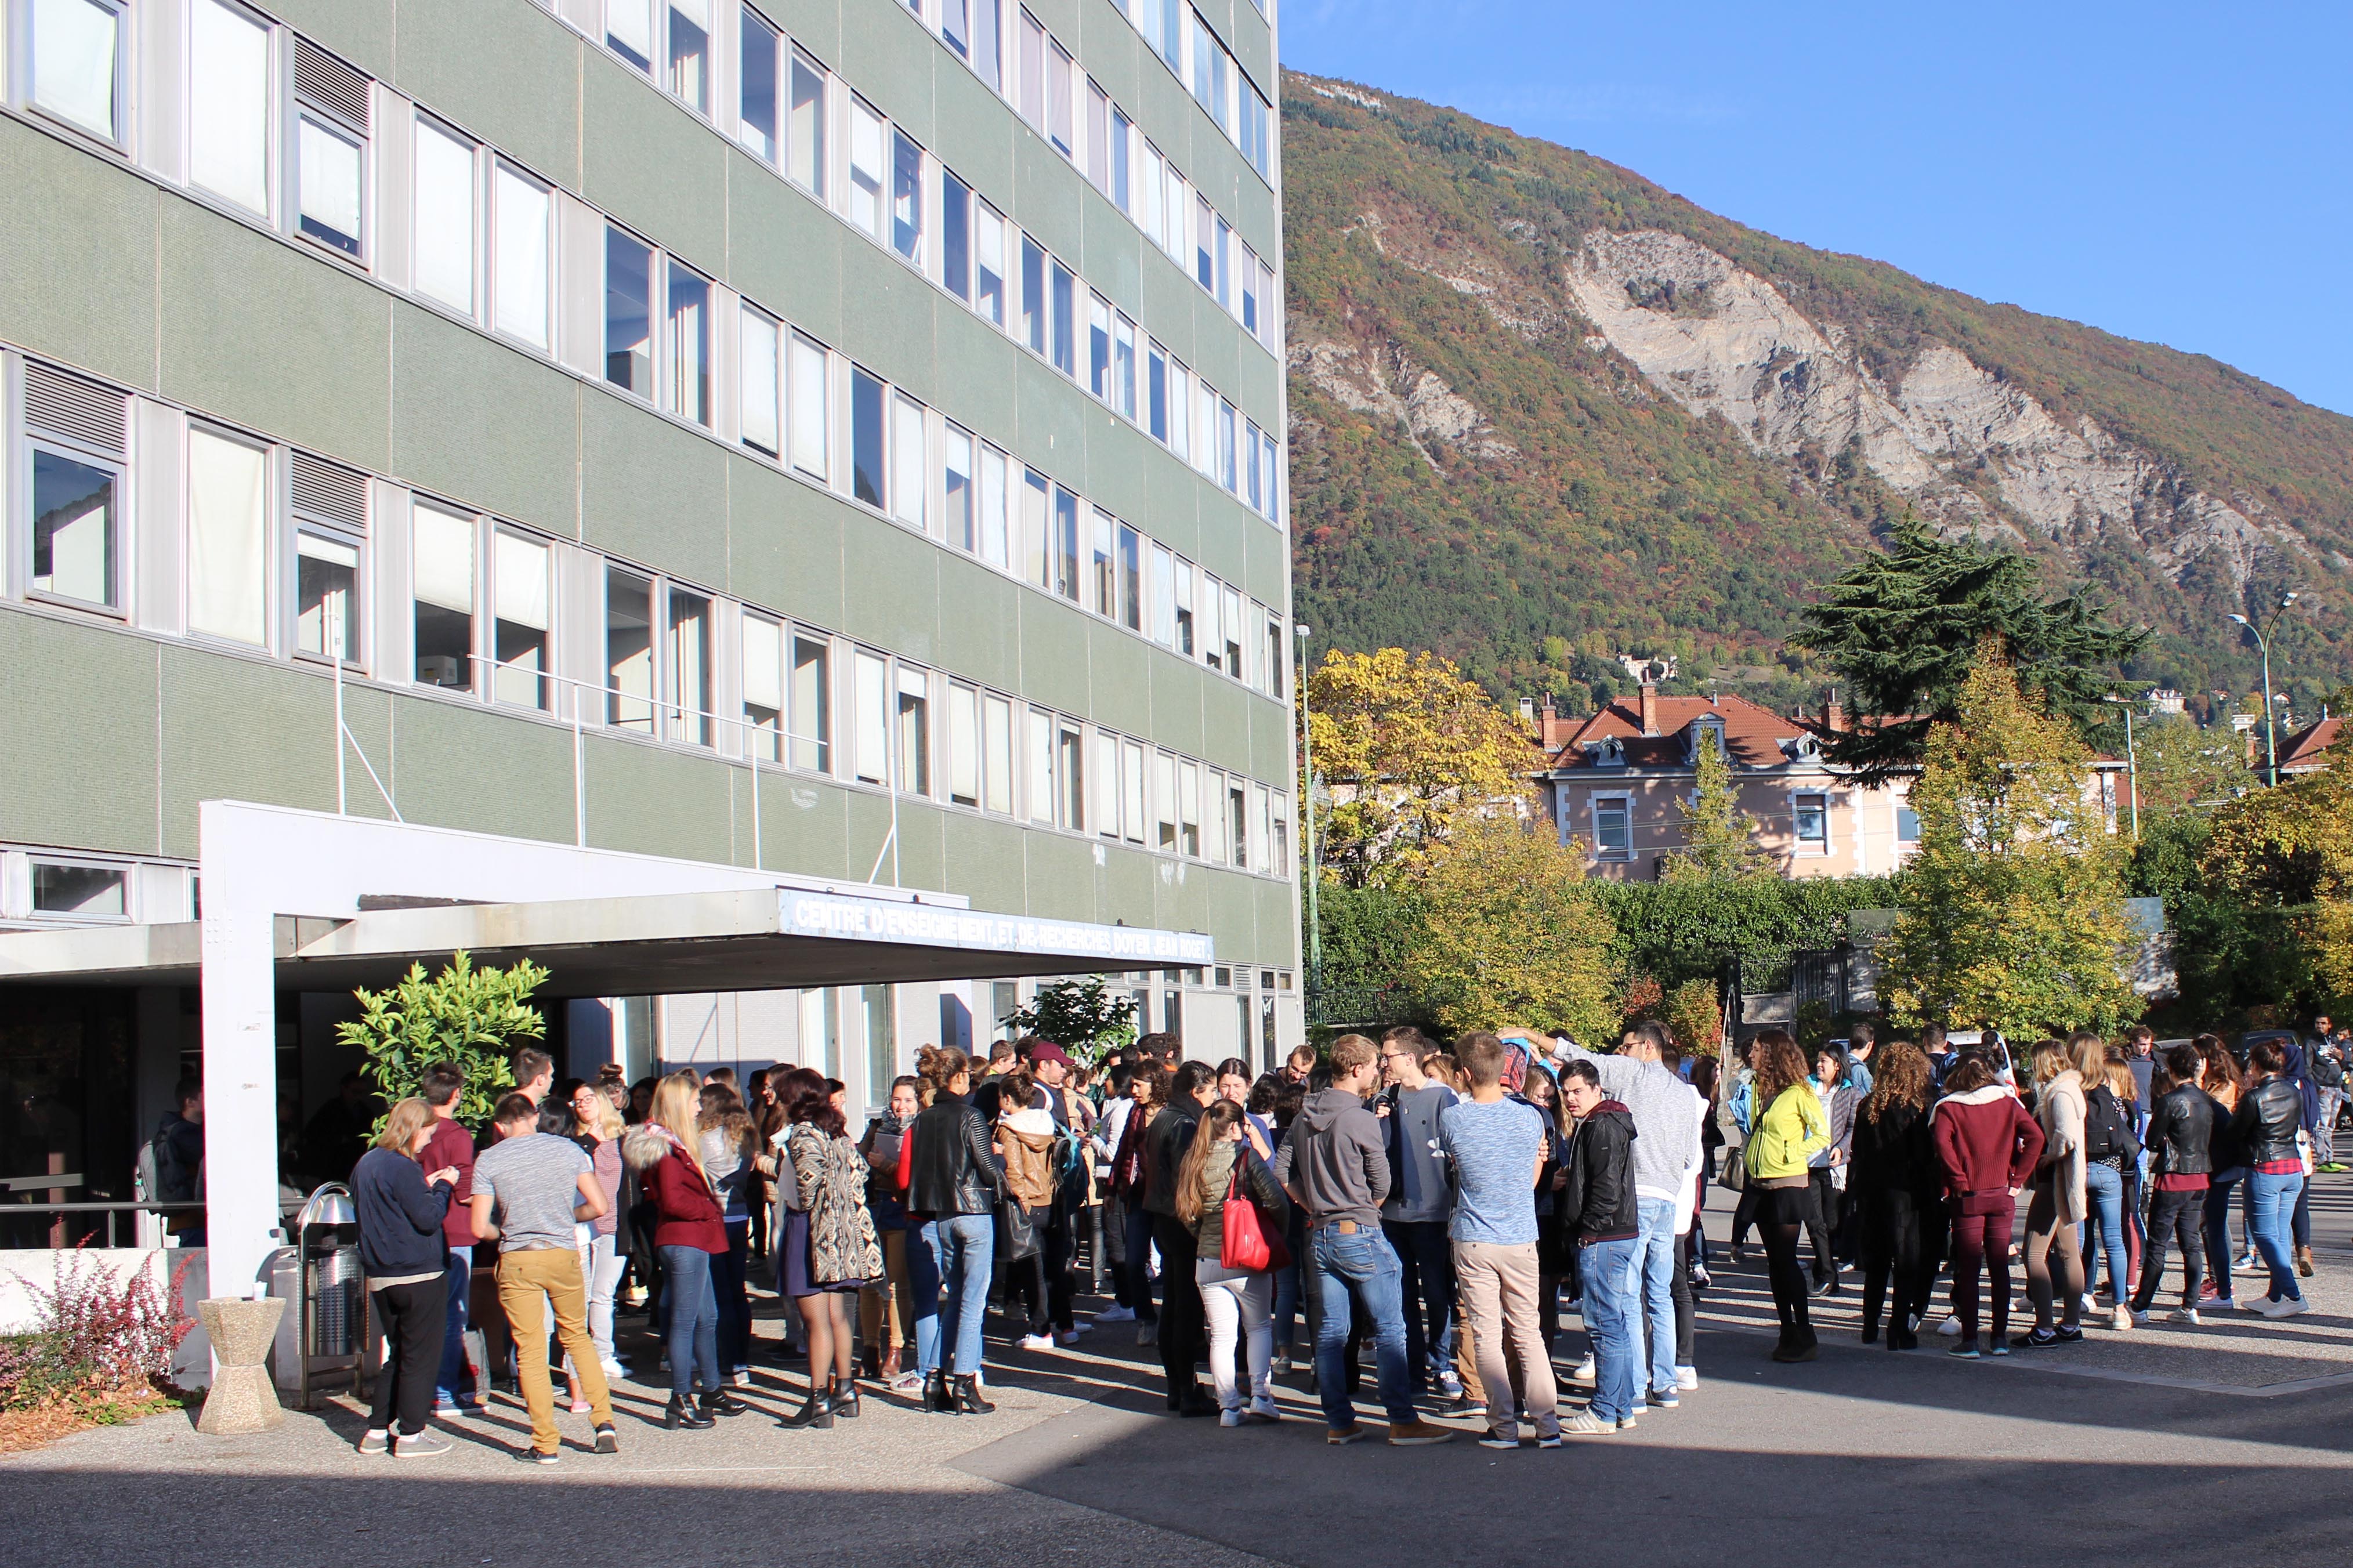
(2267, 1120)
(2181, 1149)
(955, 1175)
(1183, 1336)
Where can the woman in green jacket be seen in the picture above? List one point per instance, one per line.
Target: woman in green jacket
(1790, 1130)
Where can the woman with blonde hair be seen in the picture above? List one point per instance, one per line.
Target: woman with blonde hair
(2054, 1213)
(601, 1127)
(400, 1210)
(2111, 1169)
(690, 1229)
(1237, 1303)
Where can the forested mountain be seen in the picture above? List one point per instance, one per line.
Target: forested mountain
(1545, 414)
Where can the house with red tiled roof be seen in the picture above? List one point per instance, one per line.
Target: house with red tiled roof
(2306, 751)
(1618, 780)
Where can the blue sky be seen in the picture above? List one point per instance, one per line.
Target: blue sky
(2172, 173)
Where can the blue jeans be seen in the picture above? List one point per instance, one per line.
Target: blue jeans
(924, 1290)
(1656, 1262)
(1138, 1267)
(1359, 1267)
(1425, 1261)
(959, 1249)
(2105, 1186)
(2218, 1228)
(2273, 1209)
(727, 1288)
(693, 1330)
(1613, 1284)
(452, 1384)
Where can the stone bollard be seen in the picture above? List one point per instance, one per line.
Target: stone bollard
(241, 1399)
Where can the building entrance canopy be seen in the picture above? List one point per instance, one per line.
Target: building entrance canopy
(314, 901)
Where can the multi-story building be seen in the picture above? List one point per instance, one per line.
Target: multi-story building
(840, 437)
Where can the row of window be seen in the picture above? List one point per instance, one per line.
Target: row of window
(1192, 49)
(783, 114)
(274, 550)
(1809, 822)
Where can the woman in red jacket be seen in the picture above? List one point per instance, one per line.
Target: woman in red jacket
(691, 1229)
(1987, 1147)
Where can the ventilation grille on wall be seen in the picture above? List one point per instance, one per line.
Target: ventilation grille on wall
(331, 85)
(66, 405)
(329, 492)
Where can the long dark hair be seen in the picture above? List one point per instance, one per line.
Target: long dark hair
(1780, 1066)
(806, 1098)
(1221, 1118)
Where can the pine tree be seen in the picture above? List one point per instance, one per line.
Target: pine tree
(2012, 908)
(1719, 838)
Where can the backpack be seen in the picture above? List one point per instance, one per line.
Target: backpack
(1516, 1057)
(2107, 1131)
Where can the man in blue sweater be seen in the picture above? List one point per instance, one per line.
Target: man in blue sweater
(1414, 1216)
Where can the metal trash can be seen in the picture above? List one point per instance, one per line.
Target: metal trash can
(334, 1309)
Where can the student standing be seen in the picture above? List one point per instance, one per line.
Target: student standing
(1237, 1302)
(2266, 1125)
(2181, 1143)
(1892, 1185)
(1164, 1145)
(2054, 1213)
(1987, 1148)
(530, 1190)
(1495, 1145)
(1791, 1130)
(400, 1210)
(689, 1231)
(1600, 1212)
(954, 1176)
(450, 1146)
(1414, 1216)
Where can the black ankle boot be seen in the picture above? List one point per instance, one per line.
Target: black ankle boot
(681, 1411)
(845, 1398)
(937, 1399)
(818, 1413)
(967, 1396)
(719, 1402)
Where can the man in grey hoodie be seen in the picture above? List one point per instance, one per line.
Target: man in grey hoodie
(1422, 1201)
(1666, 1143)
(1334, 1163)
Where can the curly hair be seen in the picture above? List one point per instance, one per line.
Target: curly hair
(1902, 1080)
(1779, 1065)
(806, 1098)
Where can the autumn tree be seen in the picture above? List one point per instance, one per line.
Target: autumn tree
(2287, 855)
(2012, 908)
(1719, 838)
(1510, 933)
(1408, 750)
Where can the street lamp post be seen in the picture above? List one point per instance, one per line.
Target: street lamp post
(2132, 764)
(2271, 724)
(1307, 818)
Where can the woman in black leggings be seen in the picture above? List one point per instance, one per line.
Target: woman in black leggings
(1892, 1185)
(1790, 1129)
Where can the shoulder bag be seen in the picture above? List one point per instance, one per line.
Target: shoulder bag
(1248, 1244)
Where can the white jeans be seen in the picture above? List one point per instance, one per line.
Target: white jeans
(604, 1275)
(1245, 1301)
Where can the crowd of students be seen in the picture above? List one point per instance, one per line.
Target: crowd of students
(1436, 1205)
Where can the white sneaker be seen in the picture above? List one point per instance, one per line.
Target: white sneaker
(2259, 1305)
(2286, 1308)
(1230, 1417)
(375, 1440)
(1687, 1378)
(1583, 1371)
(1264, 1409)
(2091, 1307)
(2188, 1316)
(1951, 1327)
(1116, 1315)
(2122, 1320)
(740, 1378)
(615, 1372)
(1037, 1341)
(420, 1445)
(1072, 1337)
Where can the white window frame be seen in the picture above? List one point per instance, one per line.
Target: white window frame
(1799, 844)
(26, 43)
(1625, 806)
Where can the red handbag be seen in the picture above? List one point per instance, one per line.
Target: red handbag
(1250, 1244)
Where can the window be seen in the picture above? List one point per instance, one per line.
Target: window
(1250, 468)
(1066, 351)
(228, 537)
(1123, 367)
(1908, 825)
(1205, 49)
(1033, 295)
(988, 269)
(1613, 835)
(871, 734)
(1059, 109)
(687, 653)
(628, 314)
(1041, 793)
(1070, 764)
(1180, 411)
(1231, 625)
(228, 104)
(1205, 264)
(1156, 392)
(1123, 139)
(74, 527)
(996, 754)
(77, 52)
(521, 217)
(520, 571)
(866, 480)
(761, 356)
(327, 169)
(628, 651)
(820, 1029)
(964, 745)
(1098, 138)
(755, 103)
(687, 333)
(1173, 214)
(915, 730)
(1213, 816)
(812, 710)
(807, 404)
(1256, 138)
(1169, 35)
(865, 168)
(994, 473)
(906, 198)
(1275, 661)
(1248, 270)
(1812, 814)
(1131, 579)
(629, 31)
(1270, 477)
(1163, 800)
(1281, 847)
(1066, 544)
(1033, 71)
(955, 24)
(443, 242)
(689, 53)
(1223, 248)
(326, 596)
(1189, 808)
(907, 463)
(956, 236)
(955, 487)
(1106, 800)
(1213, 642)
(764, 687)
(987, 43)
(443, 549)
(1237, 823)
(86, 892)
(1261, 829)
(1163, 595)
(1131, 794)
(1148, 182)
(805, 150)
(1103, 590)
(1185, 608)
(879, 1004)
(1036, 552)
(1099, 347)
